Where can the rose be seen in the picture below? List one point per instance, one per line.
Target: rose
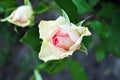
(22, 16)
(60, 39)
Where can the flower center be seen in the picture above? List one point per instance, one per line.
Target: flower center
(55, 40)
(62, 40)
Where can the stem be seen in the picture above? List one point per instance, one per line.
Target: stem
(32, 77)
(44, 10)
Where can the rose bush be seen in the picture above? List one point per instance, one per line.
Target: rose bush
(22, 16)
(60, 39)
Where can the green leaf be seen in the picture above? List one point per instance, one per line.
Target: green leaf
(92, 3)
(7, 3)
(77, 71)
(27, 2)
(82, 6)
(31, 38)
(101, 29)
(40, 6)
(88, 41)
(66, 17)
(1, 9)
(83, 49)
(53, 67)
(70, 9)
(108, 10)
(57, 67)
(37, 75)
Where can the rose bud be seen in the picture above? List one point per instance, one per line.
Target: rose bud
(22, 16)
(60, 39)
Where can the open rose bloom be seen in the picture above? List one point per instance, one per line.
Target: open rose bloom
(60, 39)
(22, 16)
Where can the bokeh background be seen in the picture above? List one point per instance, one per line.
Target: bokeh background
(18, 60)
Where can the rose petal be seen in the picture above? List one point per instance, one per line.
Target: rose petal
(46, 26)
(49, 52)
(82, 30)
(72, 32)
(77, 44)
(73, 35)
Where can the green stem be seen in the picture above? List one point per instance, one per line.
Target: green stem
(44, 10)
(32, 77)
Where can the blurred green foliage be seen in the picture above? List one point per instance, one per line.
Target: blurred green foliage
(7, 42)
(82, 6)
(105, 25)
(6, 4)
(5, 32)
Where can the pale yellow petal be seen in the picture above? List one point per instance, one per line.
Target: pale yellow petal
(49, 52)
(72, 33)
(84, 31)
(78, 42)
(46, 26)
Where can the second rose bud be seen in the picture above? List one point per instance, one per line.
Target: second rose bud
(23, 16)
